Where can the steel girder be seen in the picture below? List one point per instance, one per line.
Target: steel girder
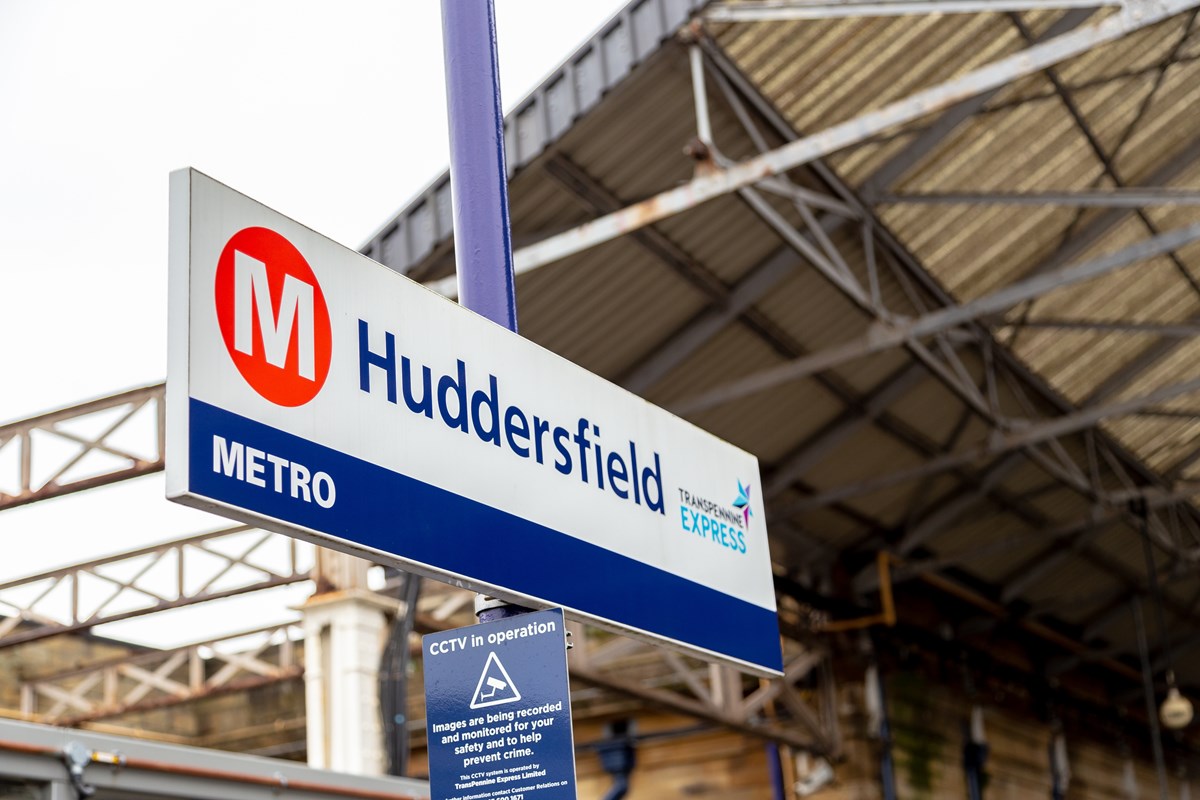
(145, 681)
(797, 709)
(42, 473)
(888, 335)
(173, 574)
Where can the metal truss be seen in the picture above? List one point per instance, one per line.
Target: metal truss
(955, 343)
(949, 327)
(887, 335)
(53, 457)
(798, 709)
(147, 681)
(173, 574)
(1133, 15)
(777, 710)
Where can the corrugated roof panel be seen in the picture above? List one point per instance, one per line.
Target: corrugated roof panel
(858, 162)
(930, 408)
(770, 423)
(813, 312)
(1134, 294)
(1181, 590)
(860, 64)
(1072, 578)
(1180, 365)
(760, 424)
(766, 423)
(974, 249)
(1169, 124)
(538, 206)
(1026, 478)
(1060, 507)
(830, 526)
(1139, 50)
(578, 316)
(1121, 548)
(1030, 90)
(993, 152)
(925, 502)
(1078, 609)
(1112, 109)
(1160, 442)
(863, 456)
(864, 375)
(994, 543)
(725, 236)
(1079, 362)
(731, 354)
(1190, 49)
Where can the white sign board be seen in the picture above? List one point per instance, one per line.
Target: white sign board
(317, 393)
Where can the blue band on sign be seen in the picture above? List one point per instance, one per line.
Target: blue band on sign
(269, 472)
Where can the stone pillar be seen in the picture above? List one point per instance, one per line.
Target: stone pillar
(345, 628)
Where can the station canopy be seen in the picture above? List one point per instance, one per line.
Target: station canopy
(935, 263)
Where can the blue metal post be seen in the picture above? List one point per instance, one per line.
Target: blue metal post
(478, 179)
(775, 771)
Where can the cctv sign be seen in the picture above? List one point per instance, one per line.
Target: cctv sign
(314, 392)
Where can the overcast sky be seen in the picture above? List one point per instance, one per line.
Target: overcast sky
(331, 113)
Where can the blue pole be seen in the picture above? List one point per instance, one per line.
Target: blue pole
(775, 770)
(478, 179)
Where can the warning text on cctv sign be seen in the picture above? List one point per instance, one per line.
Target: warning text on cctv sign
(488, 737)
(493, 638)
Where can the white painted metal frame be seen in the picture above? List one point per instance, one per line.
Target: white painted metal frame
(39, 478)
(199, 570)
(236, 662)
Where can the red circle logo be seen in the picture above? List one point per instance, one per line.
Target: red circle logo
(273, 316)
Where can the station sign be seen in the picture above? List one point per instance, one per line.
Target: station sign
(317, 393)
(498, 710)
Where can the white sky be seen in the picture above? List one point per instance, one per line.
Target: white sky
(331, 113)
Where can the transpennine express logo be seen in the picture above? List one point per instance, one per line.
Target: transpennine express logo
(273, 316)
(716, 522)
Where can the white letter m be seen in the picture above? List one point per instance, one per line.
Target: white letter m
(295, 313)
